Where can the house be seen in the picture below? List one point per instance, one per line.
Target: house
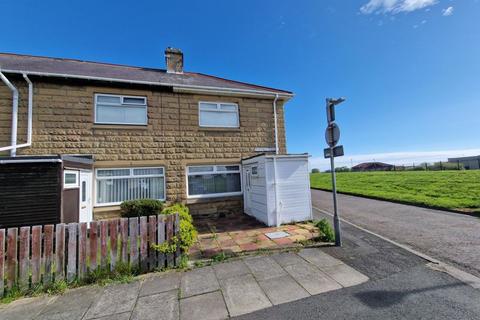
(373, 166)
(134, 132)
(468, 163)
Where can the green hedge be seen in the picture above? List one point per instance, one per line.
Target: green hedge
(141, 207)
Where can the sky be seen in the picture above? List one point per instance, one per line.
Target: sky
(409, 69)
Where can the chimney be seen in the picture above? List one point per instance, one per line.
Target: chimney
(174, 60)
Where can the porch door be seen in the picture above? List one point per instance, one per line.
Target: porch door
(86, 207)
(247, 189)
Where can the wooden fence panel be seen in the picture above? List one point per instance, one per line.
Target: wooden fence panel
(72, 251)
(170, 256)
(113, 229)
(152, 239)
(93, 245)
(48, 252)
(2, 262)
(143, 244)
(60, 252)
(161, 239)
(124, 234)
(11, 257)
(36, 254)
(133, 230)
(24, 258)
(176, 231)
(103, 243)
(82, 249)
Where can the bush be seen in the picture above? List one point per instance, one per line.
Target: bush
(188, 233)
(141, 207)
(325, 231)
(315, 170)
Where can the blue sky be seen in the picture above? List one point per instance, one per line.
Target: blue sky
(410, 69)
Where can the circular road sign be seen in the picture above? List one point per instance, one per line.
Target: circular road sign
(332, 135)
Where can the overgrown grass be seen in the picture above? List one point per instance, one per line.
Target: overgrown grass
(454, 190)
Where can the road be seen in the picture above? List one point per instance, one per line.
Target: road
(401, 286)
(449, 237)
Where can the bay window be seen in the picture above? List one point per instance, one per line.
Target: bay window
(213, 181)
(119, 184)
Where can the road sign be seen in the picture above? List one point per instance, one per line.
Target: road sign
(332, 135)
(337, 152)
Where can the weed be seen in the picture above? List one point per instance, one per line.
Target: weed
(325, 231)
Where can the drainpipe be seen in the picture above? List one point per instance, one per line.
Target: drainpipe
(275, 173)
(13, 141)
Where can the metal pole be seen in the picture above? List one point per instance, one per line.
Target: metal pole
(336, 220)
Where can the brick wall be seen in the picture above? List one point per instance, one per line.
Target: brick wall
(63, 118)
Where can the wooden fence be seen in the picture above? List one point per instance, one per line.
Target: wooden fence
(42, 254)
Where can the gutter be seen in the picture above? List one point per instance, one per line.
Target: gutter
(176, 87)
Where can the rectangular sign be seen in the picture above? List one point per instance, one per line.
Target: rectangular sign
(337, 152)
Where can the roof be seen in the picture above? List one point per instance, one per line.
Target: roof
(71, 68)
(366, 165)
(464, 158)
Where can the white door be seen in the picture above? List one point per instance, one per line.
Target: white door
(86, 209)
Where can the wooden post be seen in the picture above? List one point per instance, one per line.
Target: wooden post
(93, 244)
(48, 252)
(2, 262)
(161, 239)
(82, 250)
(133, 230)
(103, 243)
(24, 258)
(143, 244)
(124, 234)
(152, 239)
(72, 252)
(113, 226)
(178, 253)
(36, 253)
(60, 252)
(11, 257)
(170, 256)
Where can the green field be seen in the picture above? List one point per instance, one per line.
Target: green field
(453, 190)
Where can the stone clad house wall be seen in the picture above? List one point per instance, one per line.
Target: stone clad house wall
(63, 123)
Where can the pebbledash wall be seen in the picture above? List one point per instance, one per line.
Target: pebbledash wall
(63, 123)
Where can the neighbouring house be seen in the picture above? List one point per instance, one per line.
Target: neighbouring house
(77, 137)
(373, 166)
(468, 163)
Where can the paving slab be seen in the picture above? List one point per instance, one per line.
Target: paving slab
(160, 306)
(25, 309)
(345, 275)
(115, 299)
(283, 289)
(118, 316)
(230, 269)
(72, 305)
(287, 258)
(157, 283)
(311, 278)
(198, 281)
(208, 306)
(264, 267)
(319, 258)
(243, 295)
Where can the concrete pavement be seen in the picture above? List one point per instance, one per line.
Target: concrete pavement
(449, 237)
(232, 288)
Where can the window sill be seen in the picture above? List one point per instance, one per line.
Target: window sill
(217, 129)
(214, 199)
(120, 126)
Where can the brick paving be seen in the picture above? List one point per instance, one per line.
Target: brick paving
(233, 235)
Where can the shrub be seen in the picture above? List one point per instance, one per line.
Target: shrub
(188, 233)
(325, 230)
(315, 170)
(141, 207)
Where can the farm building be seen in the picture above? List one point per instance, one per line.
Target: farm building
(469, 163)
(373, 166)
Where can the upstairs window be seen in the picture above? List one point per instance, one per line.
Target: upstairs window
(219, 115)
(114, 109)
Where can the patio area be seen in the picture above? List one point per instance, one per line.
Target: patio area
(242, 233)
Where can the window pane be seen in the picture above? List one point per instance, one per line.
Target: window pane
(70, 178)
(147, 171)
(218, 119)
(228, 168)
(130, 100)
(200, 169)
(113, 172)
(228, 107)
(84, 191)
(118, 190)
(135, 115)
(121, 114)
(208, 106)
(108, 99)
(213, 183)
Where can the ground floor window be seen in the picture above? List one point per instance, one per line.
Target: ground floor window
(115, 185)
(213, 180)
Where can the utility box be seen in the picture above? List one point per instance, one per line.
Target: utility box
(276, 188)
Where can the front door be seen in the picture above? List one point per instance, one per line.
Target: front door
(247, 189)
(86, 209)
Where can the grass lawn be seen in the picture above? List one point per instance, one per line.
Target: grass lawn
(455, 190)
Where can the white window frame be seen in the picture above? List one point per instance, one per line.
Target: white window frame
(122, 104)
(218, 104)
(77, 179)
(215, 171)
(96, 204)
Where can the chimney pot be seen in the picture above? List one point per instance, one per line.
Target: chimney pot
(174, 60)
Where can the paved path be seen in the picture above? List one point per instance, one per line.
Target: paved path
(215, 292)
(401, 286)
(450, 237)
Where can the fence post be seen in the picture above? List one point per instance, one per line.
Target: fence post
(11, 257)
(24, 258)
(2, 261)
(72, 251)
(36, 254)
